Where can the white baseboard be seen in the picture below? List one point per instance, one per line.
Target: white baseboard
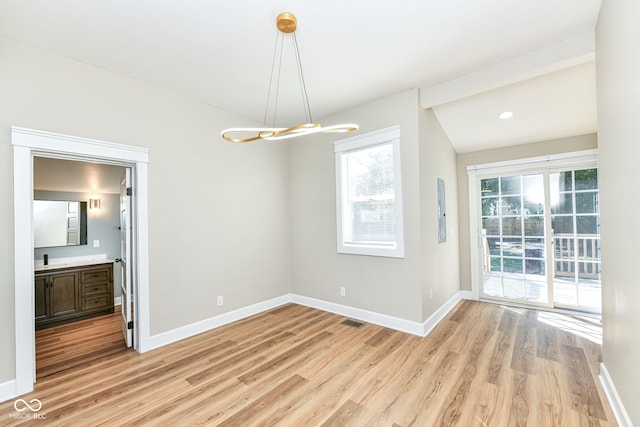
(117, 301)
(187, 331)
(385, 320)
(622, 417)
(8, 390)
(468, 295)
(403, 325)
(440, 314)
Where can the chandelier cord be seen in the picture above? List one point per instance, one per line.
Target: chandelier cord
(303, 87)
(305, 96)
(275, 106)
(273, 66)
(279, 44)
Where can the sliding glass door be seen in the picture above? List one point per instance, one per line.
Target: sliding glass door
(513, 234)
(576, 237)
(540, 238)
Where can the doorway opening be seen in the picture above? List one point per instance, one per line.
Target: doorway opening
(28, 144)
(538, 232)
(79, 262)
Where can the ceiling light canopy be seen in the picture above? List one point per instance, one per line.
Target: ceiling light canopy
(286, 23)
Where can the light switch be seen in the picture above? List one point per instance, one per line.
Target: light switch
(96, 243)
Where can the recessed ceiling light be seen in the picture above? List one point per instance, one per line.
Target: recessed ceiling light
(505, 115)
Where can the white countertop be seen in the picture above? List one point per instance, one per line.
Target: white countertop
(57, 263)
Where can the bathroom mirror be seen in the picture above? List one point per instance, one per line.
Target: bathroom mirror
(59, 223)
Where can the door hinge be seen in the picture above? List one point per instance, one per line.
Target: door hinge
(129, 191)
(130, 324)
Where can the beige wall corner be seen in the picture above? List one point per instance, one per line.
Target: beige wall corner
(382, 285)
(440, 261)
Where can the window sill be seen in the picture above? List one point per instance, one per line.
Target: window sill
(355, 249)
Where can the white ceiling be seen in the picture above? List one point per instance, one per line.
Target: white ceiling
(75, 177)
(352, 52)
(554, 105)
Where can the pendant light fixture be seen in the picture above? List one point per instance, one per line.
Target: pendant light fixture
(286, 23)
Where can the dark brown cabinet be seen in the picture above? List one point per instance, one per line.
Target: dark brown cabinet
(68, 294)
(42, 292)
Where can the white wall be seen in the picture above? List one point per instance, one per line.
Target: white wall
(618, 79)
(218, 212)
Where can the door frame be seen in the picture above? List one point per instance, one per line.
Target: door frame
(28, 143)
(519, 166)
(125, 269)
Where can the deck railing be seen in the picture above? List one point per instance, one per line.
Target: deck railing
(583, 248)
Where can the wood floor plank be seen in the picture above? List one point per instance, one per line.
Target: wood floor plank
(503, 344)
(519, 413)
(547, 342)
(235, 357)
(434, 387)
(550, 406)
(483, 365)
(385, 392)
(524, 347)
(76, 344)
(347, 415)
(184, 404)
(458, 395)
(283, 359)
(277, 394)
(227, 366)
(347, 345)
(485, 409)
(341, 378)
(582, 386)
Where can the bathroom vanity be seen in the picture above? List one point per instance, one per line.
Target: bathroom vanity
(72, 291)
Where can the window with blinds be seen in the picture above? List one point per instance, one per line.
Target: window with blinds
(369, 202)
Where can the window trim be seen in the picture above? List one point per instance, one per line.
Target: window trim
(368, 140)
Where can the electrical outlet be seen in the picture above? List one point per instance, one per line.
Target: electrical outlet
(96, 243)
(220, 300)
(430, 293)
(343, 291)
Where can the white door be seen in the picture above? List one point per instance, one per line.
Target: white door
(125, 256)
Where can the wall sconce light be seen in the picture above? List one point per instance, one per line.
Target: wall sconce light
(94, 203)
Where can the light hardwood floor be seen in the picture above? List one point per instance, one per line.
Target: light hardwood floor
(75, 344)
(484, 365)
